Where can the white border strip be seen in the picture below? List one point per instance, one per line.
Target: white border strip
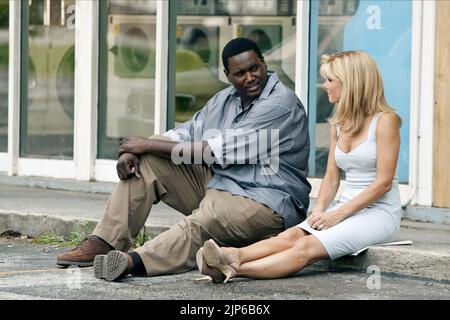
(416, 54)
(62, 169)
(14, 87)
(302, 54)
(425, 152)
(86, 88)
(105, 170)
(161, 71)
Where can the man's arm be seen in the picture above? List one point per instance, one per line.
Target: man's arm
(187, 146)
(164, 149)
(257, 139)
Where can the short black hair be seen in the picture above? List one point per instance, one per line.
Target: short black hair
(237, 46)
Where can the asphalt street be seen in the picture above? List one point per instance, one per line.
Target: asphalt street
(28, 271)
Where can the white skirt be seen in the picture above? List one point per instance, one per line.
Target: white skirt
(368, 227)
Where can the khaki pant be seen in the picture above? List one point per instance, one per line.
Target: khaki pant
(210, 214)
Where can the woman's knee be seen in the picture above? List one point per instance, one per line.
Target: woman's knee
(310, 248)
(292, 234)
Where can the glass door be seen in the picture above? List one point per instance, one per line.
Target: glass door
(127, 72)
(47, 107)
(203, 27)
(382, 28)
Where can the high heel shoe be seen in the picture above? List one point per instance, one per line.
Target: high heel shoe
(204, 268)
(211, 254)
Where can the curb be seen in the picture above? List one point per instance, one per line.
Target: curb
(395, 260)
(35, 224)
(427, 214)
(58, 184)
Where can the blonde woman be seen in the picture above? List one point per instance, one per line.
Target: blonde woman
(364, 142)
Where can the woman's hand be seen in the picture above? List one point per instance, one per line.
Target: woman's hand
(320, 220)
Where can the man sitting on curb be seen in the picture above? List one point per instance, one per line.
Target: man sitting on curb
(237, 170)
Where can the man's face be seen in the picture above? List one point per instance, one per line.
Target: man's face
(248, 74)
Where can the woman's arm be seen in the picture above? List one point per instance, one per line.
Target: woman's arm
(388, 145)
(331, 180)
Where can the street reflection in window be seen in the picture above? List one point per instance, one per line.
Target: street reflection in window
(203, 29)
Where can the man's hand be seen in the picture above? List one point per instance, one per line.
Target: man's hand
(135, 145)
(127, 166)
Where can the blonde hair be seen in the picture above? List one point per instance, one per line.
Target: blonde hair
(362, 91)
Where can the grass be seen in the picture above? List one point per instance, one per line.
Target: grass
(142, 238)
(74, 238)
(49, 239)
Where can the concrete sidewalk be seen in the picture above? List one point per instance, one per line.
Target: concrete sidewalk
(36, 206)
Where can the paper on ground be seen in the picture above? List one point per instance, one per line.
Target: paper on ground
(395, 243)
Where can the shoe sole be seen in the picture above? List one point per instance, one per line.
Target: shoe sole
(215, 275)
(111, 267)
(74, 263)
(211, 254)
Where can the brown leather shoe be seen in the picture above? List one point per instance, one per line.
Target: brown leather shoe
(84, 254)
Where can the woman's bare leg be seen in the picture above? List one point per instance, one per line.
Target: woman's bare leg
(263, 248)
(305, 251)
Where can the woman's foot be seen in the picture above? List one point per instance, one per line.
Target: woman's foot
(204, 268)
(224, 259)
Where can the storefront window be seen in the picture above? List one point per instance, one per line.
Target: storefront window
(4, 52)
(127, 72)
(383, 29)
(47, 103)
(202, 30)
